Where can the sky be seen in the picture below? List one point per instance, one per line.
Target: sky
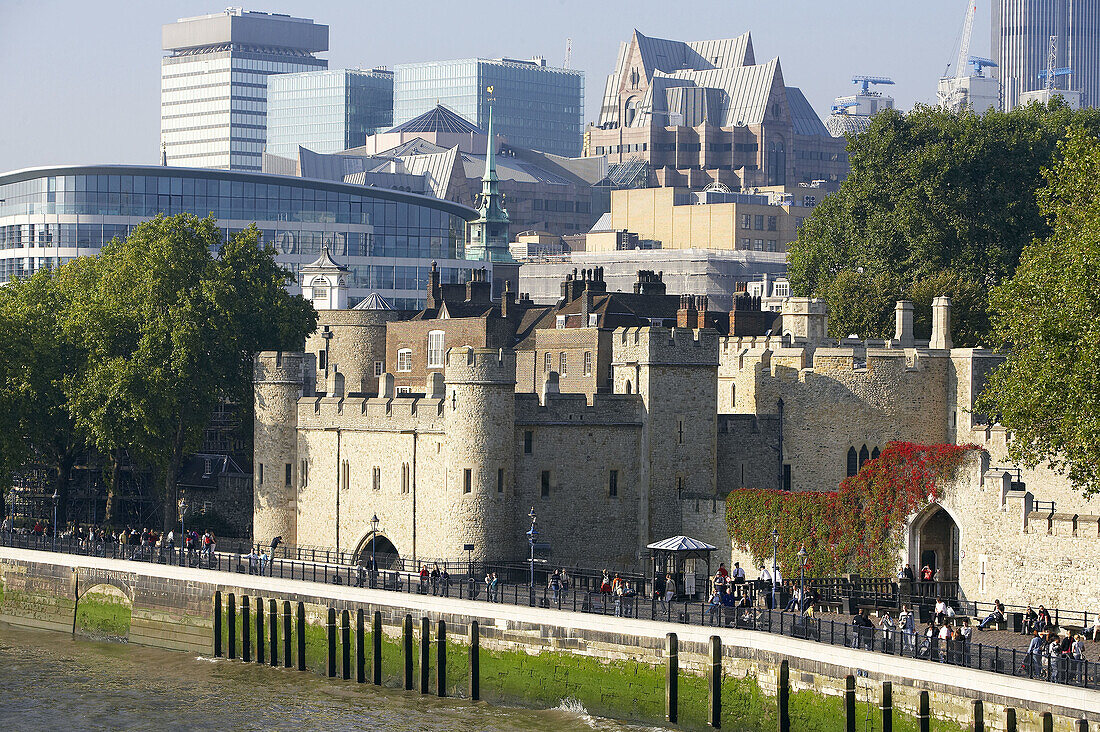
(80, 79)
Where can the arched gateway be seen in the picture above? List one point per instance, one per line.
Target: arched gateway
(934, 541)
(378, 546)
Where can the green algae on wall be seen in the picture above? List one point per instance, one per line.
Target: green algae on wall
(104, 614)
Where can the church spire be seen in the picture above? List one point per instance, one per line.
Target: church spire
(489, 233)
(490, 175)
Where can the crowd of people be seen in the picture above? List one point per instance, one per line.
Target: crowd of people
(132, 542)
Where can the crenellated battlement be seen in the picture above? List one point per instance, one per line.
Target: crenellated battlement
(366, 413)
(665, 346)
(279, 367)
(605, 409)
(468, 365)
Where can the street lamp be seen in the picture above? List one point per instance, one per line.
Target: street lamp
(802, 556)
(775, 562)
(55, 498)
(373, 547)
(183, 530)
(532, 534)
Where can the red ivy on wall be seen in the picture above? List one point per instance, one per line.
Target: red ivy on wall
(853, 529)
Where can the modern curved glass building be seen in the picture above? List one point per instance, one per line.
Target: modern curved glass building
(387, 238)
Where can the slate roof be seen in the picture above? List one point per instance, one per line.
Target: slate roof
(439, 119)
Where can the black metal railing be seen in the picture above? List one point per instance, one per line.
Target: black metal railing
(582, 598)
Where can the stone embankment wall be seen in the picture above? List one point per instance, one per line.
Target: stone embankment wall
(537, 656)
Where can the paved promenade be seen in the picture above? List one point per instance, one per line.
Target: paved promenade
(749, 644)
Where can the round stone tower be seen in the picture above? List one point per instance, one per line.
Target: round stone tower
(480, 415)
(278, 380)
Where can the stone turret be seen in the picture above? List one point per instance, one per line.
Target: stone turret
(805, 319)
(941, 324)
(903, 324)
(278, 379)
(480, 412)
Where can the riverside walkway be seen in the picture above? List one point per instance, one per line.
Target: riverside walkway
(828, 634)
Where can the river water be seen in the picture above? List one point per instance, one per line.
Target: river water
(53, 681)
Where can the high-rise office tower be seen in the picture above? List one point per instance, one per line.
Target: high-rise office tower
(1021, 46)
(213, 101)
(536, 106)
(327, 111)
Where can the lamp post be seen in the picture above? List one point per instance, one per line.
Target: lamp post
(183, 531)
(11, 511)
(802, 578)
(55, 498)
(532, 534)
(775, 561)
(373, 548)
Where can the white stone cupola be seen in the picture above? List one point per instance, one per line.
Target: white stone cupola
(325, 283)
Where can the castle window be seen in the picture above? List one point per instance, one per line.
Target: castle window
(289, 471)
(613, 483)
(376, 478)
(528, 439)
(322, 360)
(679, 487)
(864, 456)
(435, 349)
(629, 386)
(347, 475)
(587, 363)
(786, 476)
(260, 474)
(547, 362)
(680, 432)
(378, 368)
(304, 470)
(733, 395)
(500, 480)
(404, 359)
(467, 480)
(853, 462)
(545, 483)
(562, 364)
(875, 453)
(406, 476)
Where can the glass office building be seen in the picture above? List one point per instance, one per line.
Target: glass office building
(535, 106)
(327, 111)
(1021, 31)
(387, 238)
(213, 99)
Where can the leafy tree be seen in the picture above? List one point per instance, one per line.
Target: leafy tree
(171, 329)
(1047, 319)
(38, 359)
(937, 203)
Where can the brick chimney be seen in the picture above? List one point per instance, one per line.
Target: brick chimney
(687, 315)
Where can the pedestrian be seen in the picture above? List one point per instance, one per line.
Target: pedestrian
(908, 625)
(670, 589)
(493, 587)
(738, 574)
(997, 616)
(1034, 656)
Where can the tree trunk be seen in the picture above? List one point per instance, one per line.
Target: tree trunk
(171, 473)
(112, 486)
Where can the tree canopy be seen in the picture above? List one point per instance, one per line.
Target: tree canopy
(1046, 318)
(937, 203)
(171, 328)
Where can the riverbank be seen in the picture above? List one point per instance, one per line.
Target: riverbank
(614, 667)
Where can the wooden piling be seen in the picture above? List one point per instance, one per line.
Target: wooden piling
(345, 643)
(376, 650)
(300, 632)
(273, 624)
(246, 631)
(978, 724)
(425, 654)
(231, 616)
(672, 671)
(330, 633)
(360, 651)
(1010, 719)
(441, 658)
(714, 683)
(887, 706)
(217, 624)
(783, 696)
(407, 643)
(475, 662)
(260, 630)
(287, 634)
(850, 703)
(924, 716)
(1047, 720)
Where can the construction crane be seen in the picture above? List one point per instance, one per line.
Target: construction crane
(568, 53)
(964, 39)
(978, 63)
(867, 81)
(1051, 72)
(843, 107)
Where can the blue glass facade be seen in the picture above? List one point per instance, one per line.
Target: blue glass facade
(386, 238)
(327, 111)
(536, 106)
